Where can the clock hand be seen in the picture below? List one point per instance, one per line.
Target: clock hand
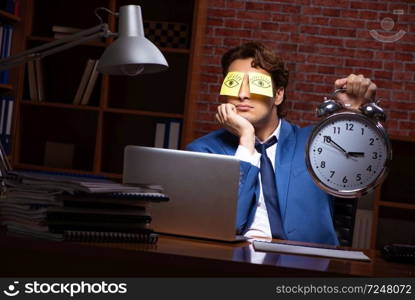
(355, 154)
(330, 141)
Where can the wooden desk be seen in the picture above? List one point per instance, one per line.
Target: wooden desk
(173, 256)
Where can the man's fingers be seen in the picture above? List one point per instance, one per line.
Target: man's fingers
(349, 85)
(371, 91)
(340, 83)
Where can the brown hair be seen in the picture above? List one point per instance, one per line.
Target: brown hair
(265, 59)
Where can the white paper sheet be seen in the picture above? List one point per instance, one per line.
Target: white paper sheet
(303, 250)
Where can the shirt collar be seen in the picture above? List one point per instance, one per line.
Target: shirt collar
(276, 132)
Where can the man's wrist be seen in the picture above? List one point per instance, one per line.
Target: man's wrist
(248, 141)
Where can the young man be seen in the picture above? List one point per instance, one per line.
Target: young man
(277, 196)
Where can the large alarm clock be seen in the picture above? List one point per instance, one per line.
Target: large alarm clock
(348, 153)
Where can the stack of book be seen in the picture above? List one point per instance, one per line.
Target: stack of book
(62, 207)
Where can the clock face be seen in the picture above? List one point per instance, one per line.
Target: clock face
(347, 154)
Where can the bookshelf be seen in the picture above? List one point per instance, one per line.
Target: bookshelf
(394, 201)
(121, 110)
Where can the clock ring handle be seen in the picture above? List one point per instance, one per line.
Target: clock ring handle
(331, 105)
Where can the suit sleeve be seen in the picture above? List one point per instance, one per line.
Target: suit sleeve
(248, 184)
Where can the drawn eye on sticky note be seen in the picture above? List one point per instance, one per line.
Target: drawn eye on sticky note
(232, 84)
(260, 84)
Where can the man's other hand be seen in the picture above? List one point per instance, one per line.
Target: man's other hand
(228, 118)
(359, 90)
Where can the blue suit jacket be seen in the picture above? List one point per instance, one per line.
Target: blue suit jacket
(305, 209)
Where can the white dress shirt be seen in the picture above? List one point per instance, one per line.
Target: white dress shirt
(260, 226)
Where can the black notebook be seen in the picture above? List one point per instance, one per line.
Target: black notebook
(102, 236)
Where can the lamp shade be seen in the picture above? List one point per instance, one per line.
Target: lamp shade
(131, 54)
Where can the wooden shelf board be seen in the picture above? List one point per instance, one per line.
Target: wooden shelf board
(175, 50)
(50, 169)
(397, 205)
(9, 16)
(143, 113)
(59, 105)
(110, 175)
(49, 39)
(6, 87)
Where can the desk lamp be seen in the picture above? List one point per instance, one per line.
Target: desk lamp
(131, 54)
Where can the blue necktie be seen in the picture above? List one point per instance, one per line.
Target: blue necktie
(269, 189)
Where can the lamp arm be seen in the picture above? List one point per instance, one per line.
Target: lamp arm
(57, 46)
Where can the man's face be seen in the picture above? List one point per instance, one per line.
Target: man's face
(257, 109)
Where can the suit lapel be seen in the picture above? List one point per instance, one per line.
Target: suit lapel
(284, 157)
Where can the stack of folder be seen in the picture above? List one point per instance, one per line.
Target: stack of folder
(62, 207)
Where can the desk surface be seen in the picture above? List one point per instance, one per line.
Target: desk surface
(174, 256)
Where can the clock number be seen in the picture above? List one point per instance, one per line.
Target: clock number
(375, 155)
(327, 139)
(332, 174)
(319, 150)
(323, 164)
(336, 129)
(369, 168)
(372, 140)
(349, 126)
(344, 179)
(363, 131)
(358, 177)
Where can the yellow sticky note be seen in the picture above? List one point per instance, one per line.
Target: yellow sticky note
(232, 84)
(260, 84)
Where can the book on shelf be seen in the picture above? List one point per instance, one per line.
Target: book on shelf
(167, 134)
(33, 94)
(5, 47)
(84, 80)
(91, 84)
(39, 80)
(7, 106)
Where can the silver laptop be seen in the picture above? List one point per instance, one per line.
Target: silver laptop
(203, 190)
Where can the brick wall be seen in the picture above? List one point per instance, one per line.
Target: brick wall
(321, 40)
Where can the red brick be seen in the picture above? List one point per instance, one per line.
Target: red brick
(318, 20)
(311, 10)
(248, 15)
(280, 17)
(325, 60)
(303, 106)
(332, 3)
(326, 70)
(214, 21)
(368, 5)
(403, 76)
(235, 4)
(407, 125)
(232, 32)
(370, 15)
(346, 33)
(346, 23)
(410, 67)
(404, 56)
(254, 6)
(231, 42)
(269, 26)
(331, 12)
(251, 25)
(383, 74)
(293, 9)
(329, 31)
(221, 12)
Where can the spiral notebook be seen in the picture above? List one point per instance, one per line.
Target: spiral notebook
(148, 237)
